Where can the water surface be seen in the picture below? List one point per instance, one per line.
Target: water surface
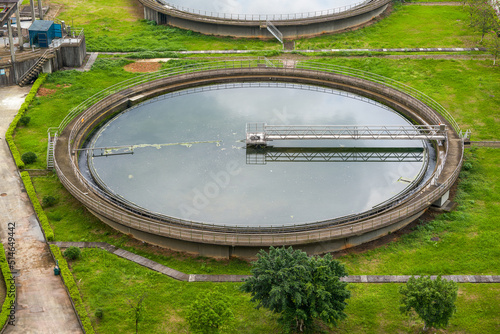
(190, 161)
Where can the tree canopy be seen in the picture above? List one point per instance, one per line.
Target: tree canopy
(432, 300)
(298, 287)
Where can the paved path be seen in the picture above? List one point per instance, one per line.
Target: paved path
(43, 306)
(495, 144)
(90, 62)
(238, 278)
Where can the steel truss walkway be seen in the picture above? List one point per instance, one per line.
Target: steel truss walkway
(259, 134)
(261, 156)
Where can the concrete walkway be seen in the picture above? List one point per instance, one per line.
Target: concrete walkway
(238, 278)
(43, 305)
(494, 144)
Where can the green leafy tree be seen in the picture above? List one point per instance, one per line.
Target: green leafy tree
(493, 44)
(482, 16)
(298, 287)
(432, 300)
(211, 313)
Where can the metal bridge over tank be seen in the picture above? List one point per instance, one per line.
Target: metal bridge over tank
(263, 155)
(259, 134)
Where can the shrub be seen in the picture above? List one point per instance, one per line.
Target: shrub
(29, 158)
(48, 201)
(25, 120)
(99, 313)
(72, 253)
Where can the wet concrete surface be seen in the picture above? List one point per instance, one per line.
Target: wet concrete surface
(43, 305)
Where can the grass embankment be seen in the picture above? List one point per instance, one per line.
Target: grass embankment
(108, 283)
(117, 26)
(406, 27)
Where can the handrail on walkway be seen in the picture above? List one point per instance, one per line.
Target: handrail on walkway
(178, 228)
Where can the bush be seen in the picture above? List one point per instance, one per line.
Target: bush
(25, 120)
(48, 201)
(72, 253)
(99, 313)
(29, 158)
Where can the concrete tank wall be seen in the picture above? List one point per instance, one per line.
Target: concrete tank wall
(291, 29)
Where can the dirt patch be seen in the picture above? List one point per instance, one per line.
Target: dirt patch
(142, 67)
(45, 91)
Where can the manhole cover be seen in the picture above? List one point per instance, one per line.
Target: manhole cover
(3, 194)
(435, 239)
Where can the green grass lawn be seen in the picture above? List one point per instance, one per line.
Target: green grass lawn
(118, 25)
(108, 282)
(406, 27)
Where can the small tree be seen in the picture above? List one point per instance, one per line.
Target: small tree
(482, 16)
(29, 158)
(136, 309)
(432, 300)
(493, 44)
(298, 287)
(211, 313)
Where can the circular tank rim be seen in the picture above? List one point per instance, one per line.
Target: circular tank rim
(246, 28)
(264, 16)
(416, 185)
(448, 170)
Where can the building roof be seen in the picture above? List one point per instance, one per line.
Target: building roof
(41, 25)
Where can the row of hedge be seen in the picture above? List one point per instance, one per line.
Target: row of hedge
(9, 135)
(70, 283)
(10, 295)
(42, 217)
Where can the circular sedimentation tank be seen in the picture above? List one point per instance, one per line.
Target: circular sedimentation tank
(167, 161)
(264, 19)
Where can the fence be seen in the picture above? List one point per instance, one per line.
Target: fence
(267, 17)
(97, 201)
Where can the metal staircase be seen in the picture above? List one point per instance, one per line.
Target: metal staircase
(50, 149)
(274, 31)
(33, 72)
